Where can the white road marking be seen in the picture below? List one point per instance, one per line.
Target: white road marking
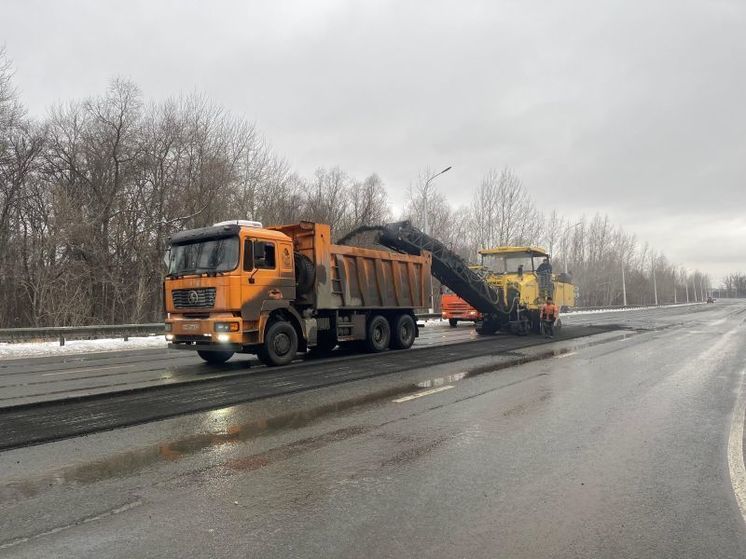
(563, 355)
(423, 393)
(735, 449)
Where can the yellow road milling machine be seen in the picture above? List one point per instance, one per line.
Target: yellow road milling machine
(522, 274)
(508, 288)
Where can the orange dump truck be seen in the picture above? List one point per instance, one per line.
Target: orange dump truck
(274, 291)
(454, 309)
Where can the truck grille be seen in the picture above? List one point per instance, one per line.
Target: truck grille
(194, 298)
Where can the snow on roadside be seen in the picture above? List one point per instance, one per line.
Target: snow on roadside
(71, 347)
(627, 309)
(440, 321)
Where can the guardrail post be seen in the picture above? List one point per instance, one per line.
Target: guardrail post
(62, 339)
(126, 338)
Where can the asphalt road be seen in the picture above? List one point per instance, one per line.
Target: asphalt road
(39, 379)
(620, 449)
(24, 381)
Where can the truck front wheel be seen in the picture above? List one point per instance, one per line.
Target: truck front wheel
(378, 335)
(280, 344)
(215, 357)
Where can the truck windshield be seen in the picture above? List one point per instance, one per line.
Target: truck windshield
(215, 255)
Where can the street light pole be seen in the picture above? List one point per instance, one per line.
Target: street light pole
(426, 225)
(427, 183)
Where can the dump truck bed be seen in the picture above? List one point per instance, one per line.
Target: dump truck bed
(360, 278)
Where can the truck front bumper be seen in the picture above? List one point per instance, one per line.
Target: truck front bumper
(205, 346)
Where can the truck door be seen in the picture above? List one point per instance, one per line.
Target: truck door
(268, 277)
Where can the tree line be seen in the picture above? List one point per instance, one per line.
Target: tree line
(733, 285)
(90, 193)
(608, 265)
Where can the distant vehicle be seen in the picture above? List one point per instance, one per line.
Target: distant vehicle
(710, 300)
(454, 309)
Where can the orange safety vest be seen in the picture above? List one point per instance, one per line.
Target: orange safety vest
(549, 311)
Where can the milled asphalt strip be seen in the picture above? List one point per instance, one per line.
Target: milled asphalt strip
(736, 465)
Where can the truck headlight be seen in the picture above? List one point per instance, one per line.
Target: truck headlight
(226, 326)
(224, 337)
(169, 337)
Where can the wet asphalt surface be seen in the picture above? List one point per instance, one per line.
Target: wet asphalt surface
(25, 381)
(613, 450)
(54, 420)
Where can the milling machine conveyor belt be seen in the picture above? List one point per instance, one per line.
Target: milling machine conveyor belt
(447, 266)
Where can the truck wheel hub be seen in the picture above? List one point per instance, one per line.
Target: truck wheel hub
(281, 343)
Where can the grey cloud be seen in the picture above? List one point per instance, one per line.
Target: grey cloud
(631, 108)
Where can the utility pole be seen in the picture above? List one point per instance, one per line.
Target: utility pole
(624, 286)
(655, 285)
(674, 288)
(686, 286)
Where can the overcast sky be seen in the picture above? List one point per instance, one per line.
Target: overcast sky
(635, 109)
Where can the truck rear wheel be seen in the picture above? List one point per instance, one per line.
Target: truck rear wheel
(404, 332)
(280, 344)
(378, 335)
(215, 357)
(453, 322)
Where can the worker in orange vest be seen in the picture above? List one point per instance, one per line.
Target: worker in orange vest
(548, 315)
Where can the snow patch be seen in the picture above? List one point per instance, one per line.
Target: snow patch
(627, 309)
(41, 349)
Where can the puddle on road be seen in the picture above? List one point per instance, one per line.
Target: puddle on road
(494, 367)
(222, 431)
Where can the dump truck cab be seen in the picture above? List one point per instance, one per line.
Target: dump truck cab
(518, 273)
(223, 282)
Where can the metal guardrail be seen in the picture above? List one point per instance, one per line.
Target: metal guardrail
(63, 333)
